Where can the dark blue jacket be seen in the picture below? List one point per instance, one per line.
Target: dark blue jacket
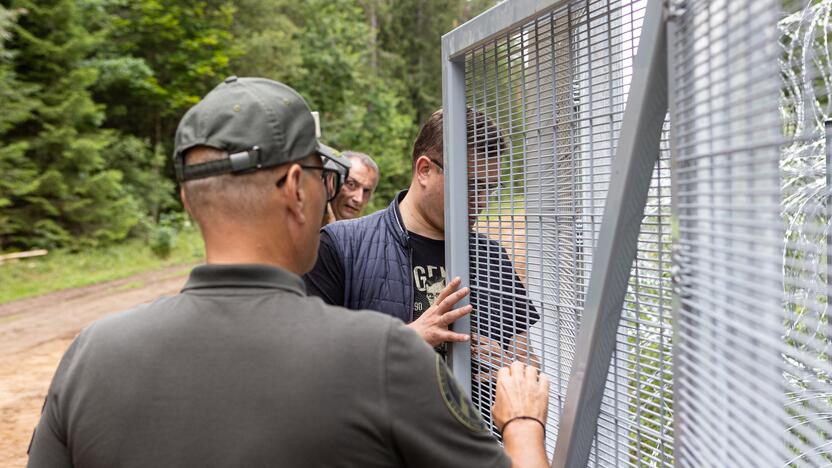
(376, 255)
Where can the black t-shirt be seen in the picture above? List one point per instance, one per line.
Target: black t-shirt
(429, 276)
(428, 272)
(326, 280)
(501, 306)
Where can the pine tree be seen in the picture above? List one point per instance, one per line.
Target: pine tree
(266, 40)
(71, 193)
(347, 79)
(414, 31)
(162, 56)
(17, 173)
(159, 57)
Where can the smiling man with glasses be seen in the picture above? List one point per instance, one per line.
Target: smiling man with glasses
(357, 190)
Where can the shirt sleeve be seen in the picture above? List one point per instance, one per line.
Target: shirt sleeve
(501, 296)
(326, 280)
(433, 421)
(518, 312)
(48, 448)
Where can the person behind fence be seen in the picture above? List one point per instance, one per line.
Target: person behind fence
(242, 368)
(357, 190)
(393, 261)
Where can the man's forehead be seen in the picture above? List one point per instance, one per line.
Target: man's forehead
(362, 172)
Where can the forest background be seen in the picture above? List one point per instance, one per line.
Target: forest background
(92, 91)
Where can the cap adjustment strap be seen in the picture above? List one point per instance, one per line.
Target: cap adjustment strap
(244, 161)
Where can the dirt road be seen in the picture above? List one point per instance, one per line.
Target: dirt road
(34, 333)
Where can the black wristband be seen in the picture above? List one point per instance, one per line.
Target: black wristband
(524, 417)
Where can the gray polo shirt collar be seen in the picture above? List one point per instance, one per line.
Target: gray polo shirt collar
(243, 276)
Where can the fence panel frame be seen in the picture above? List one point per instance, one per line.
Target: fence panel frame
(635, 156)
(497, 20)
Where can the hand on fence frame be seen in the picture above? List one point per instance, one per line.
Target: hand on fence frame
(432, 325)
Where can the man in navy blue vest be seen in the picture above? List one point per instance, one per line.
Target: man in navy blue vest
(393, 261)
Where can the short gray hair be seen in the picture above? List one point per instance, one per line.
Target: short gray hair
(241, 198)
(364, 158)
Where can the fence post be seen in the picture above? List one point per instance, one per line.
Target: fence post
(454, 131)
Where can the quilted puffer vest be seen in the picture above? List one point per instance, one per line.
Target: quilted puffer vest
(376, 254)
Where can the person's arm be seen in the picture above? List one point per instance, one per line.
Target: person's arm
(520, 413)
(520, 347)
(491, 355)
(48, 447)
(326, 279)
(432, 325)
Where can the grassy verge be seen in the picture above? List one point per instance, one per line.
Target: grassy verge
(62, 269)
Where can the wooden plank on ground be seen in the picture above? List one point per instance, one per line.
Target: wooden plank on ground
(20, 255)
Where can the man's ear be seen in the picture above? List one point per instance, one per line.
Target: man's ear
(422, 169)
(294, 194)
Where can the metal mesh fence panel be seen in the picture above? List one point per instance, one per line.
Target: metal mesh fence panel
(749, 334)
(546, 101)
(728, 199)
(752, 184)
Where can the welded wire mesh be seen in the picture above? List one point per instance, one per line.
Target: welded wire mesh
(546, 105)
(752, 368)
(750, 93)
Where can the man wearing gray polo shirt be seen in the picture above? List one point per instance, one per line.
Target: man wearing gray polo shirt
(242, 368)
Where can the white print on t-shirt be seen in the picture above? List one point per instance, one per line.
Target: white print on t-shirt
(433, 290)
(429, 282)
(425, 276)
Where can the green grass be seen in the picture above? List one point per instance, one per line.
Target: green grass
(507, 206)
(64, 269)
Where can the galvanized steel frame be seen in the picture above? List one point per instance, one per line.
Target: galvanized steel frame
(455, 44)
(636, 154)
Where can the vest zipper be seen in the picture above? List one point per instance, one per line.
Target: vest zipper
(409, 247)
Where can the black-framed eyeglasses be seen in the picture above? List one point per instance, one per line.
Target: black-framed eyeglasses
(331, 178)
(438, 164)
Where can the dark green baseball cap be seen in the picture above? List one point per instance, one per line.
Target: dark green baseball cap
(260, 123)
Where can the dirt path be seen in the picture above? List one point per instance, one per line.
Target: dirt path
(34, 333)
